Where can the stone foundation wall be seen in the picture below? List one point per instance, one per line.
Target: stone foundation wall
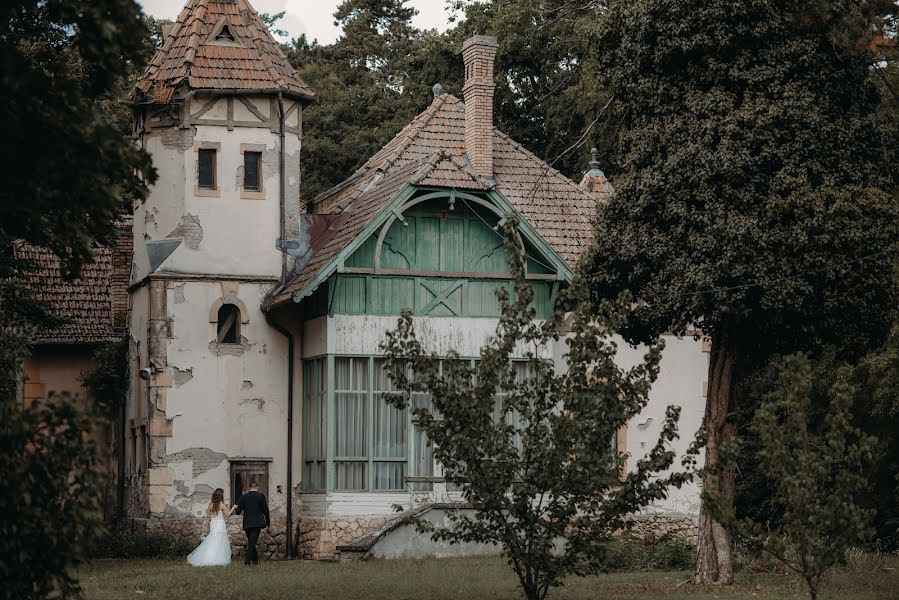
(320, 536)
(272, 540)
(655, 528)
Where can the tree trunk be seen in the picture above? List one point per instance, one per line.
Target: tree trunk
(714, 558)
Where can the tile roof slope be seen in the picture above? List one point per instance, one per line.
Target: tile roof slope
(254, 62)
(86, 303)
(555, 206)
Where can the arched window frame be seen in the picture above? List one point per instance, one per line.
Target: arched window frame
(242, 316)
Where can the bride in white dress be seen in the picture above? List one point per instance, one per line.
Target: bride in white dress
(215, 549)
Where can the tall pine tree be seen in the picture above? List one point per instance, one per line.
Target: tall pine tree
(756, 202)
(370, 83)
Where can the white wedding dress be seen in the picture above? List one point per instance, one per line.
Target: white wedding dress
(215, 549)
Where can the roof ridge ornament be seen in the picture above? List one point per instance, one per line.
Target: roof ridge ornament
(594, 159)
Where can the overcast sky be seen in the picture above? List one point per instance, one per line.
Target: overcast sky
(312, 17)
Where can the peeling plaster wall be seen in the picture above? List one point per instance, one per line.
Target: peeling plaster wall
(161, 212)
(683, 369)
(135, 408)
(232, 404)
(362, 334)
(221, 233)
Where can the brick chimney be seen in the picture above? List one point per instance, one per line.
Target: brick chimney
(478, 53)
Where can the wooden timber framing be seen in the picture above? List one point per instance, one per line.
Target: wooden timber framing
(444, 274)
(380, 224)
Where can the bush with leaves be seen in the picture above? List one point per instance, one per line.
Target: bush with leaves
(49, 497)
(815, 466)
(107, 380)
(534, 457)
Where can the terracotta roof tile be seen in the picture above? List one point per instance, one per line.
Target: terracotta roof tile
(93, 305)
(430, 151)
(191, 55)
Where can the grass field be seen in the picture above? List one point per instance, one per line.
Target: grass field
(462, 578)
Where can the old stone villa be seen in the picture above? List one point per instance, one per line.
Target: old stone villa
(254, 317)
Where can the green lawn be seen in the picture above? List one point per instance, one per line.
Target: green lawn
(442, 579)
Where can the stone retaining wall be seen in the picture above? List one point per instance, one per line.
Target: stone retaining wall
(320, 536)
(272, 540)
(317, 538)
(653, 528)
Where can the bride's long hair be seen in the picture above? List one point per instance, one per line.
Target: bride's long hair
(218, 496)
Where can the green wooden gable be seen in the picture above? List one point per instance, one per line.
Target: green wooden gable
(438, 253)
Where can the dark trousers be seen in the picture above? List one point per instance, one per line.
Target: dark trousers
(252, 537)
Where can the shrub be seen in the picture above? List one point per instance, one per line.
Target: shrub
(629, 554)
(129, 541)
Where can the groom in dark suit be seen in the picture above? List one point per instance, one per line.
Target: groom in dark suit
(254, 508)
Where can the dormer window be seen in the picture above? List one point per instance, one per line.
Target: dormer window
(224, 35)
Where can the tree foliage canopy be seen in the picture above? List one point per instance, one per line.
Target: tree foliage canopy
(65, 162)
(49, 497)
(370, 83)
(814, 461)
(533, 454)
(755, 199)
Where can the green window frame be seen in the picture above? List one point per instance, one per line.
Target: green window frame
(353, 440)
(315, 394)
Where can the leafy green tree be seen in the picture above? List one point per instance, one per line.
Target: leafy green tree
(68, 164)
(65, 166)
(370, 83)
(549, 90)
(69, 171)
(814, 463)
(49, 497)
(756, 202)
(533, 455)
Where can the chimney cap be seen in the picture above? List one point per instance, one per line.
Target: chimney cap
(484, 41)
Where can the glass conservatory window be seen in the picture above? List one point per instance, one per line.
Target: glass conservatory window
(351, 417)
(314, 415)
(374, 446)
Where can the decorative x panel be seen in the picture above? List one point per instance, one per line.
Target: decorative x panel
(442, 296)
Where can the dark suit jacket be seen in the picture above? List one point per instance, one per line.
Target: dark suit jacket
(254, 509)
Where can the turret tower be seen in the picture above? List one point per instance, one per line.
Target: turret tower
(219, 109)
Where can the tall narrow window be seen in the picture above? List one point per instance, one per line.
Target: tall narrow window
(351, 436)
(206, 169)
(252, 171)
(228, 326)
(315, 395)
(389, 432)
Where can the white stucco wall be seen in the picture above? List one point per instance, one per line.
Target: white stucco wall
(227, 400)
(223, 233)
(682, 371)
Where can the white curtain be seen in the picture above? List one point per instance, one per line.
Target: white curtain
(389, 434)
(351, 416)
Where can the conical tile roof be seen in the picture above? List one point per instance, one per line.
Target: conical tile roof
(219, 45)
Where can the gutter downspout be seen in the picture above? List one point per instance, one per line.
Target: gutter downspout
(290, 351)
(120, 456)
(282, 193)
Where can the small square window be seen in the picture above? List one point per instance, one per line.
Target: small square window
(252, 171)
(206, 169)
(243, 473)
